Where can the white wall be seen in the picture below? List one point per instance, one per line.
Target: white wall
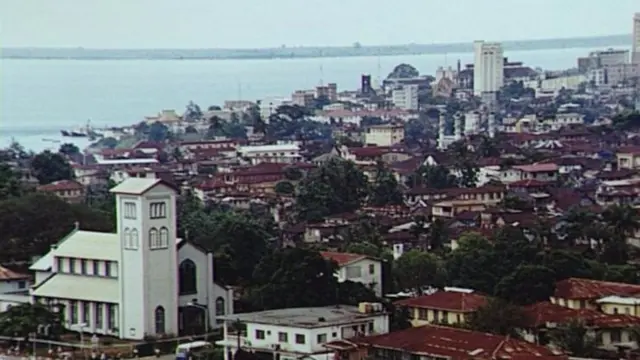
(13, 286)
(367, 277)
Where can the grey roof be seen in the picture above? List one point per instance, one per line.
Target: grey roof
(310, 317)
(135, 186)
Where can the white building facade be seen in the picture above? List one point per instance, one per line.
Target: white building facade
(384, 135)
(301, 332)
(635, 46)
(279, 153)
(488, 67)
(405, 97)
(127, 284)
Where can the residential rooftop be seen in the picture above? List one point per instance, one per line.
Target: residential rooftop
(308, 317)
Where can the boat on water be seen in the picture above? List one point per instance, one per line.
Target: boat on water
(86, 131)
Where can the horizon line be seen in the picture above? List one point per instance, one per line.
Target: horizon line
(82, 48)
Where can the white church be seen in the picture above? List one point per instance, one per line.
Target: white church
(140, 281)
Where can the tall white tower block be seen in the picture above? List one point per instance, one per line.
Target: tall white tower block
(146, 223)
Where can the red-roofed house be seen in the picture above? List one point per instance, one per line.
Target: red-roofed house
(611, 329)
(577, 293)
(448, 307)
(68, 190)
(357, 268)
(438, 342)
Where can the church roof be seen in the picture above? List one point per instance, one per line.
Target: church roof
(86, 288)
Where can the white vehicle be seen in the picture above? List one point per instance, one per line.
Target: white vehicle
(183, 350)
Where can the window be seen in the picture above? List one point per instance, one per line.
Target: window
(72, 266)
(130, 210)
(98, 318)
(126, 238)
(354, 272)
(220, 308)
(187, 283)
(260, 334)
(23, 284)
(86, 312)
(164, 237)
(111, 316)
(615, 335)
(283, 337)
(300, 339)
(157, 210)
(83, 266)
(370, 327)
(322, 338)
(422, 314)
(107, 268)
(372, 269)
(334, 335)
(96, 267)
(135, 239)
(615, 311)
(74, 312)
(154, 239)
(60, 264)
(159, 317)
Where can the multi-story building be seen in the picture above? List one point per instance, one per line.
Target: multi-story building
(302, 332)
(278, 153)
(405, 97)
(384, 135)
(635, 46)
(303, 98)
(488, 67)
(111, 284)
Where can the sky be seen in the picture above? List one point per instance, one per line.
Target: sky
(123, 24)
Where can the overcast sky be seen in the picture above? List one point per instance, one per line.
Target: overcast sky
(269, 23)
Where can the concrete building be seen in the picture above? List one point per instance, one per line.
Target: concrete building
(357, 268)
(278, 153)
(301, 333)
(635, 46)
(303, 98)
(405, 97)
(112, 284)
(384, 135)
(488, 67)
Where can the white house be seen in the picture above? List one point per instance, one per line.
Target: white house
(301, 332)
(136, 282)
(357, 268)
(278, 153)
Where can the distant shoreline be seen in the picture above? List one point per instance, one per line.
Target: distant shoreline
(302, 52)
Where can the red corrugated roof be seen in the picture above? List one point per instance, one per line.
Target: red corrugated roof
(447, 300)
(341, 258)
(8, 275)
(458, 344)
(577, 288)
(540, 314)
(61, 185)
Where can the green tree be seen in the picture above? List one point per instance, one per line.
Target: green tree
(69, 149)
(48, 167)
(416, 270)
(10, 183)
(528, 284)
(575, 339)
(437, 235)
(437, 177)
(497, 317)
(337, 186)
(622, 219)
(472, 264)
(293, 173)
(23, 319)
(158, 132)
(285, 188)
(293, 277)
(403, 71)
(385, 190)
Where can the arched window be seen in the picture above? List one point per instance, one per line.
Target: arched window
(135, 239)
(220, 310)
(187, 283)
(153, 238)
(159, 317)
(126, 239)
(164, 237)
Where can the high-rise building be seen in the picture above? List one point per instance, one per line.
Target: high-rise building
(406, 97)
(635, 47)
(488, 67)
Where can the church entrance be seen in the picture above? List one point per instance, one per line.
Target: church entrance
(191, 320)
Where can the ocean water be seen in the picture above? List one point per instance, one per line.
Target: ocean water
(40, 97)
